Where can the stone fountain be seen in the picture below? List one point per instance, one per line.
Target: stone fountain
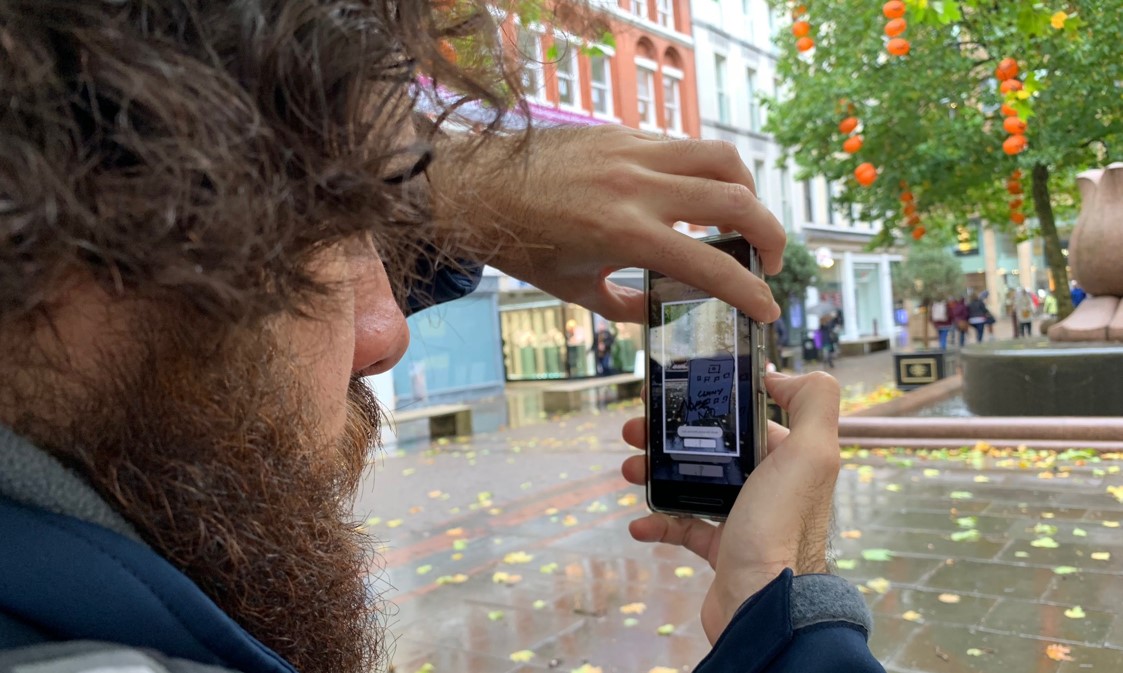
(1078, 371)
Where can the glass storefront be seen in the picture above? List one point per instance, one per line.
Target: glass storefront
(544, 338)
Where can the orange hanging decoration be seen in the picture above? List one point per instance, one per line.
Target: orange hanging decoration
(1014, 145)
(852, 144)
(799, 11)
(1016, 204)
(1014, 126)
(866, 174)
(1016, 175)
(907, 197)
(801, 29)
(804, 44)
(1018, 218)
(918, 233)
(896, 27)
(913, 220)
(1010, 86)
(848, 125)
(1007, 69)
(894, 9)
(1008, 111)
(910, 208)
(1014, 188)
(898, 46)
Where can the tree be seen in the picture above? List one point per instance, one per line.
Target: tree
(932, 121)
(930, 273)
(790, 284)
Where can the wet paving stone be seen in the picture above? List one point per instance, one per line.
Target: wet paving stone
(1041, 620)
(939, 648)
(940, 544)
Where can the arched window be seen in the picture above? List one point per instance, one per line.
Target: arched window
(672, 91)
(646, 69)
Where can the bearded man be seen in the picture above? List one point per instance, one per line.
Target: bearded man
(212, 215)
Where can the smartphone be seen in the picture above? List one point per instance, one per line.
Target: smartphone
(706, 401)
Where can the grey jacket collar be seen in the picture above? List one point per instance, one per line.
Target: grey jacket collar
(31, 476)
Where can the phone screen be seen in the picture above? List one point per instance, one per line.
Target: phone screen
(702, 387)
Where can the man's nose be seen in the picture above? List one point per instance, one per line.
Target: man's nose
(381, 331)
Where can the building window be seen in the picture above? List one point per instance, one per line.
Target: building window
(601, 84)
(754, 104)
(569, 87)
(785, 199)
(760, 177)
(830, 202)
(639, 8)
(664, 13)
(530, 50)
(719, 87)
(672, 100)
(808, 201)
(645, 95)
(745, 9)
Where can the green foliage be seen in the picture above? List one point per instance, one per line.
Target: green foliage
(931, 120)
(930, 273)
(797, 275)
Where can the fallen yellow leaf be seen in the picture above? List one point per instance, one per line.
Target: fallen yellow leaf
(522, 656)
(627, 500)
(1058, 652)
(454, 532)
(518, 557)
(569, 521)
(394, 523)
(633, 608)
(851, 534)
(1101, 556)
(1110, 524)
(951, 599)
(879, 584)
(912, 616)
(501, 577)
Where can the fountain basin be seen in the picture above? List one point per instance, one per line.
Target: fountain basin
(1036, 377)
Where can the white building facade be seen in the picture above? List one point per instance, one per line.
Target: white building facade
(736, 65)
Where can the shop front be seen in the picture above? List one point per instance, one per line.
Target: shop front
(546, 338)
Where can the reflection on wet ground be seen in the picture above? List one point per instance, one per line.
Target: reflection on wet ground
(509, 552)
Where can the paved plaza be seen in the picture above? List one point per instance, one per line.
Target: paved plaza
(510, 552)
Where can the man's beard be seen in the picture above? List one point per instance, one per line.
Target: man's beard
(210, 452)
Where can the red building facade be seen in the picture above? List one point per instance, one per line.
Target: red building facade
(646, 80)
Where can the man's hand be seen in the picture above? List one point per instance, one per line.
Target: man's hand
(781, 518)
(582, 203)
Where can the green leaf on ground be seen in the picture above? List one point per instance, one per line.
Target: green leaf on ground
(877, 554)
(966, 536)
(974, 652)
(1079, 532)
(1075, 612)
(522, 656)
(538, 604)
(495, 615)
(630, 622)
(1066, 570)
(846, 564)
(665, 630)
(967, 521)
(1044, 543)
(961, 495)
(424, 570)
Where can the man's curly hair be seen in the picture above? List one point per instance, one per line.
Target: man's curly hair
(203, 150)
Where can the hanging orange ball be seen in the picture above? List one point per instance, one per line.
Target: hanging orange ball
(801, 29)
(852, 144)
(1018, 218)
(909, 209)
(898, 46)
(1017, 174)
(1016, 204)
(866, 174)
(1010, 86)
(894, 9)
(1014, 126)
(913, 220)
(1014, 188)
(1007, 69)
(918, 233)
(907, 197)
(1008, 111)
(1014, 145)
(799, 11)
(804, 44)
(896, 27)
(848, 125)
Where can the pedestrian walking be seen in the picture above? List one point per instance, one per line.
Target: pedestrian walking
(1023, 312)
(940, 314)
(959, 314)
(977, 316)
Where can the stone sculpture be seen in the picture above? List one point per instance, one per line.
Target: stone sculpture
(1096, 258)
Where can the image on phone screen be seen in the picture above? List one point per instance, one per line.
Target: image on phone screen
(701, 380)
